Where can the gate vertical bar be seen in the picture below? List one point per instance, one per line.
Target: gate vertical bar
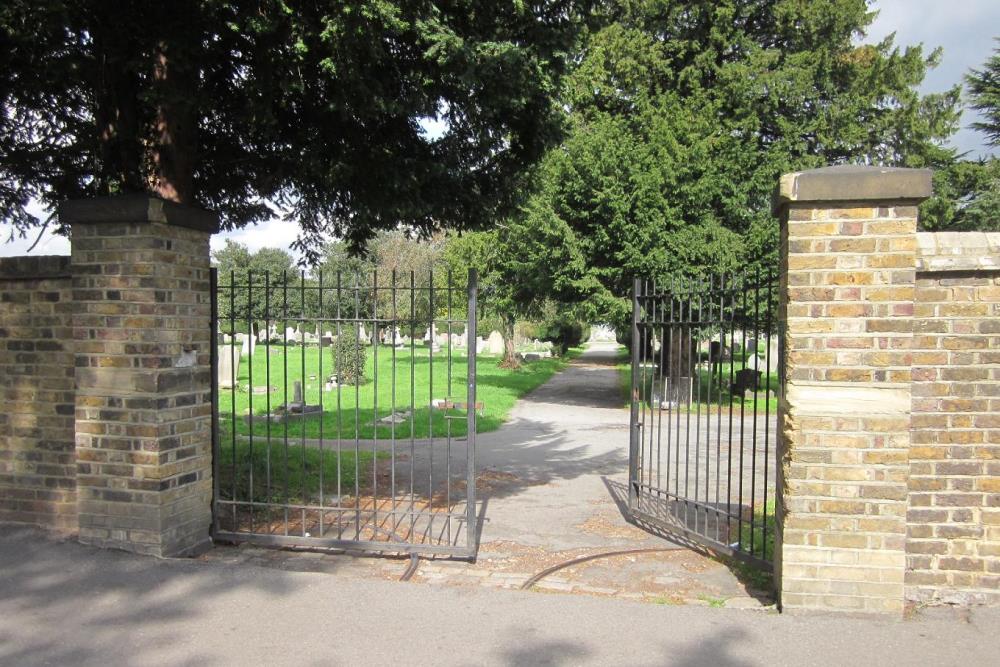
(213, 282)
(633, 443)
(470, 413)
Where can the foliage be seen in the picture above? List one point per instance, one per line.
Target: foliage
(559, 325)
(350, 356)
(522, 262)
(984, 92)
(268, 270)
(682, 117)
(313, 110)
(966, 197)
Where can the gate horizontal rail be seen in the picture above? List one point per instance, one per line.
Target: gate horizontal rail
(346, 428)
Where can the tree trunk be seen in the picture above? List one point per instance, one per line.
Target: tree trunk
(510, 359)
(176, 126)
(680, 364)
(116, 95)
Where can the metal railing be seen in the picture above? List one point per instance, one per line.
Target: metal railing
(706, 376)
(345, 410)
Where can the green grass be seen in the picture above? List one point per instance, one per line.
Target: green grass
(349, 410)
(752, 536)
(296, 473)
(716, 603)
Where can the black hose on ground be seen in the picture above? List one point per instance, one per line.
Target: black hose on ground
(583, 559)
(411, 569)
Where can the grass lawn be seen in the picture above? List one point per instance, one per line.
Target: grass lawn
(351, 411)
(295, 473)
(753, 538)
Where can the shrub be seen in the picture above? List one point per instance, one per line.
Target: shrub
(349, 356)
(564, 331)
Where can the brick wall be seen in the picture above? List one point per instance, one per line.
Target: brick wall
(890, 447)
(953, 540)
(849, 299)
(105, 426)
(37, 460)
(142, 333)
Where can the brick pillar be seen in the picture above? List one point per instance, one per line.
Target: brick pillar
(848, 272)
(142, 334)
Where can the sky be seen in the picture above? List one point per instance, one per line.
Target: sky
(965, 29)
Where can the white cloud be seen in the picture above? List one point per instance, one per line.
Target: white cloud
(269, 234)
(49, 244)
(965, 29)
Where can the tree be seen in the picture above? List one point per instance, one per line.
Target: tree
(683, 115)
(966, 197)
(310, 110)
(523, 263)
(255, 286)
(984, 92)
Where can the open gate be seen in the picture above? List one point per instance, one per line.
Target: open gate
(706, 376)
(345, 411)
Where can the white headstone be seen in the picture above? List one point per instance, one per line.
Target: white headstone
(229, 366)
(245, 347)
(494, 344)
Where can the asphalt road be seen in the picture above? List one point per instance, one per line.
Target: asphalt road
(65, 604)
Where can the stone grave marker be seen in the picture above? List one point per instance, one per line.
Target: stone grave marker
(229, 366)
(494, 344)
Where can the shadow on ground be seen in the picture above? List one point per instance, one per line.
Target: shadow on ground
(120, 599)
(757, 582)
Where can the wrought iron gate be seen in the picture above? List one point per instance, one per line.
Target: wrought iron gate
(706, 376)
(345, 411)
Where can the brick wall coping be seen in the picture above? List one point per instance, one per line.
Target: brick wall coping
(34, 267)
(958, 251)
(852, 183)
(135, 208)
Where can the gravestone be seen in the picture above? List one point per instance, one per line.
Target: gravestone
(717, 352)
(229, 366)
(248, 344)
(772, 355)
(494, 344)
(677, 391)
(746, 378)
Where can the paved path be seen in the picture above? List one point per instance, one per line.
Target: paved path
(65, 604)
(551, 484)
